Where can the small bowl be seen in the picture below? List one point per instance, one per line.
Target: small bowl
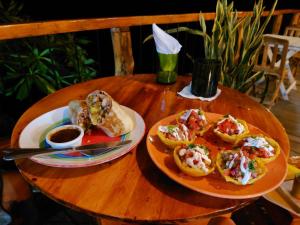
(65, 136)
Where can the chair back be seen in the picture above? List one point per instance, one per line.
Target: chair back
(273, 50)
(272, 62)
(293, 31)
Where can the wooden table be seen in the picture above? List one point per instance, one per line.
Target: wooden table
(132, 188)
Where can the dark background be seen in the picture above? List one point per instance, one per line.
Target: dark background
(100, 46)
(63, 9)
(59, 9)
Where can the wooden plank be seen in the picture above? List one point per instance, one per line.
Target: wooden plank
(12, 31)
(277, 24)
(295, 19)
(121, 40)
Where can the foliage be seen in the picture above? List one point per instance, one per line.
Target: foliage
(235, 41)
(238, 64)
(44, 63)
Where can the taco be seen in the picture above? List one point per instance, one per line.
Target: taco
(174, 135)
(195, 120)
(229, 129)
(259, 146)
(236, 168)
(193, 160)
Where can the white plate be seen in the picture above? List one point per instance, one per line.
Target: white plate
(33, 136)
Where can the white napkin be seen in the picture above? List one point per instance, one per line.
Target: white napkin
(186, 93)
(164, 42)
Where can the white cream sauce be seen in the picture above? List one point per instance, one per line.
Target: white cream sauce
(199, 158)
(260, 142)
(176, 132)
(187, 114)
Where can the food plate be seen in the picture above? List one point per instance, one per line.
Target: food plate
(214, 184)
(33, 136)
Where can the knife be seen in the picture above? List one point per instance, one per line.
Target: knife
(101, 148)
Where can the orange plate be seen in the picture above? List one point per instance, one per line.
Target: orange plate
(214, 184)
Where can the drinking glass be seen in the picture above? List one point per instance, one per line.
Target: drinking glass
(167, 72)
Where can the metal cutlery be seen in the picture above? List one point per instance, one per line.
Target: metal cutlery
(99, 148)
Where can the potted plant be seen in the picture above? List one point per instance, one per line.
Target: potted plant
(233, 41)
(206, 71)
(31, 68)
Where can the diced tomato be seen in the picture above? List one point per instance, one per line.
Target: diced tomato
(228, 127)
(194, 114)
(171, 137)
(250, 152)
(245, 152)
(194, 122)
(226, 172)
(233, 172)
(190, 154)
(262, 153)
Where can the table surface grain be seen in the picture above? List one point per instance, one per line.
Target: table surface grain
(132, 188)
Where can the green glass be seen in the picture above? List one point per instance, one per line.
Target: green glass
(167, 73)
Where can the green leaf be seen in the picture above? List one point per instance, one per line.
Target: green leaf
(22, 89)
(256, 76)
(44, 85)
(35, 52)
(89, 61)
(202, 23)
(45, 52)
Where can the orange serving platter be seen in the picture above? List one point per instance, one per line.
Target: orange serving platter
(214, 184)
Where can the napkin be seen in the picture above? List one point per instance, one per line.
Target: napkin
(186, 93)
(165, 43)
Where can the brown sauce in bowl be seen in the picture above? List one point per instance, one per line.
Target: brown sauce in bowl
(65, 135)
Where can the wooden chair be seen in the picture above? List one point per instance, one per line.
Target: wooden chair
(293, 31)
(266, 90)
(294, 61)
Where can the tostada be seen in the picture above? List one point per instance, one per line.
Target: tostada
(195, 120)
(174, 135)
(239, 169)
(259, 146)
(193, 160)
(229, 129)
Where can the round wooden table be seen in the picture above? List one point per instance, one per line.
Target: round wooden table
(132, 188)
